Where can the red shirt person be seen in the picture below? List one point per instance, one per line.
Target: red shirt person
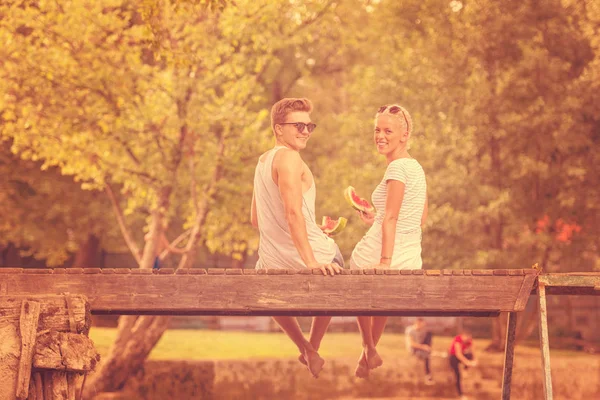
(461, 352)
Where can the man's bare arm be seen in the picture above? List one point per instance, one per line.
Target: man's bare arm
(289, 171)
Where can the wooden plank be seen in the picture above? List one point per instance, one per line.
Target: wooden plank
(571, 284)
(65, 351)
(54, 314)
(92, 270)
(233, 271)
(482, 272)
(28, 325)
(108, 270)
(10, 350)
(122, 271)
(37, 271)
(36, 387)
(4, 270)
(74, 271)
(509, 355)
(544, 342)
(141, 271)
(59, 385)
(525, 292)
(73, 385)
(297, 294)
(216, 271)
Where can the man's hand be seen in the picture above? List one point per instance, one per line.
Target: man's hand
(331, 268)
(367, 217)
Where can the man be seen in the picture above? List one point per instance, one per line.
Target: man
(461, 352)
(418, 342)
(283, 210)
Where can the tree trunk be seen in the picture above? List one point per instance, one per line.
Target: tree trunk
(136, 336)
(87, 255)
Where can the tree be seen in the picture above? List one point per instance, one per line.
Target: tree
(48, 216)
(120, 107)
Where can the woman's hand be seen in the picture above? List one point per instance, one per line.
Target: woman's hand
(367, 217)
(323, 229)
(379, 266)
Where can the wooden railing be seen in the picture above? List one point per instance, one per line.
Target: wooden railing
(62, 300)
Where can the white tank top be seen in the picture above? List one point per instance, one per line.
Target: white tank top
(276, 248)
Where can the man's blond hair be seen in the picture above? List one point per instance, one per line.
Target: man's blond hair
(283, 107)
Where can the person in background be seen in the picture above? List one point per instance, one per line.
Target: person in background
(418, 343)
(461, 352)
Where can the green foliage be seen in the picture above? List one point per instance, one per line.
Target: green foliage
(157, 98)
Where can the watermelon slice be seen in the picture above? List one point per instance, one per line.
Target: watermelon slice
(333, 226)
(356, 202)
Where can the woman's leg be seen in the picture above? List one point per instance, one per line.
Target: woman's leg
(371, 329)
(378, 328)
(291, 328)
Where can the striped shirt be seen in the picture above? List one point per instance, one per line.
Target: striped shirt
(409, 172)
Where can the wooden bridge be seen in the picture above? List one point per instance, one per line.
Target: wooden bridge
(481, 293)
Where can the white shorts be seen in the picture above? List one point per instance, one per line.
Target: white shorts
(407, 253)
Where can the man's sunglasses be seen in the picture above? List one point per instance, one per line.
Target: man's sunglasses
(393, 110)
(301, 125)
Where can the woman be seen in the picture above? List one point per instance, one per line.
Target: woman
(461, 352)
(394, 239)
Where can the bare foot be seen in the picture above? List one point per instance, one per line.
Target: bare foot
(302, 360)
(372, 357)
(362, 368)
(314, 362)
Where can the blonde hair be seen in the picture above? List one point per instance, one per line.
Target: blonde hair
(283, 107)
(400, 113)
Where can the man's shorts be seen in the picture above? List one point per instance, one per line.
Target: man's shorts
(338, 258)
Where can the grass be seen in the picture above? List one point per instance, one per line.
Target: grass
(187, 344)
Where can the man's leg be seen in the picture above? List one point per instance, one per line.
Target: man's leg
(454, 364)
(317, 331)
(427, 340)
(291, 328)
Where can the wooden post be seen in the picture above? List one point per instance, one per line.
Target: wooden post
(28, 324)
(544, 342)
(509, 354)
